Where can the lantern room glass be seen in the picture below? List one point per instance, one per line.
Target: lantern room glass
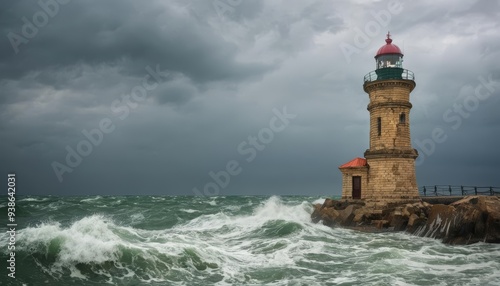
(389, 61)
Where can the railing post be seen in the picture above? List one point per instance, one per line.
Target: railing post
(449, 189)
(435, 190)
(462, 188)
(491, 191)
(425, 192)
(475, 190)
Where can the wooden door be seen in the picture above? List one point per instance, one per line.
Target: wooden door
(356, 187)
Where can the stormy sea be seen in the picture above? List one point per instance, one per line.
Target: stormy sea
(233, 240)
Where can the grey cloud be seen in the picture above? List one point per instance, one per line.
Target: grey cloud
(177, 91)
(115, 32)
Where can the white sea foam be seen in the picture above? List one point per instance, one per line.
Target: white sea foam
(92, 199)
(33, 200)
(87, 240)
(190, 211)
(137, 218)
(318, 201)
(92, 240)
(232, 208)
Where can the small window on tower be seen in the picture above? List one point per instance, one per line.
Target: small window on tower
(402, 118)
(379, 125)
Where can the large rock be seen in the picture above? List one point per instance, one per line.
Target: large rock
(346, 215)
(470, 220)
(326, 213)
(415, 222)
(330, 217)
(439, 220)
(328, 203)
(316, 214)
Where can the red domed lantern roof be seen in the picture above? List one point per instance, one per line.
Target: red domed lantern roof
(388, 48)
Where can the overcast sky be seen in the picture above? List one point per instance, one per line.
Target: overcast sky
(266, 95)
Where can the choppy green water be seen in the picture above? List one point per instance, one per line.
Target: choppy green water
(224, 241)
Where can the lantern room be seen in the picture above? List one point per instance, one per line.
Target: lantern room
(389, 55)
(389, 60)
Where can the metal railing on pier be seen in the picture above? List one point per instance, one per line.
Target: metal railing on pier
(449, 190)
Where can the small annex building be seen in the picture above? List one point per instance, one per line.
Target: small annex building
(354, 178)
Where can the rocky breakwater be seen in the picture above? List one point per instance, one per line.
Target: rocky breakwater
(469, 220)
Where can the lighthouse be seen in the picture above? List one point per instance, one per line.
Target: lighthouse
(387, 171)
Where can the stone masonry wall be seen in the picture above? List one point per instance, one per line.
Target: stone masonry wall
(393, 133)
(392, 179)
(388, 100)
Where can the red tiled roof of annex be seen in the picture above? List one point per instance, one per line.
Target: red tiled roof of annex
(356, 162)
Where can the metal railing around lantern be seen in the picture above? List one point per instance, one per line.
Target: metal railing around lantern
(389, 73)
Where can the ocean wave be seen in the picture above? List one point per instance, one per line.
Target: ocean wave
(137, 218)
(91, 200)
(267, 241)
(95, 246)
(90, 239)
(318, 201)
(33, 200)
(189, 211)
(270, 210)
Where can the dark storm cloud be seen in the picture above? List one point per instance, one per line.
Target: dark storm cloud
(177, 91)
(128, 34)
(227, 71)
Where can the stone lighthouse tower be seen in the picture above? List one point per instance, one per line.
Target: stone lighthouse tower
(388, 170)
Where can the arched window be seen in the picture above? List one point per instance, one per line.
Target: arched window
(402, 118)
